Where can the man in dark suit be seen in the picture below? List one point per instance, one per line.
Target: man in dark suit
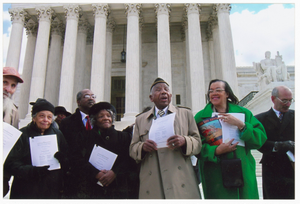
(278, 174)
(74, 128)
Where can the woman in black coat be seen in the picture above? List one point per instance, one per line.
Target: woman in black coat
(120, 182)
(30, 181)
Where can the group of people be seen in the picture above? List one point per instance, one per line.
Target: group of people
(143, 169)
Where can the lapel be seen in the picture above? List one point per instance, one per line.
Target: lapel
(272, 118)
(285, 121)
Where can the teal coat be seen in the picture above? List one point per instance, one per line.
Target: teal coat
(254, 136)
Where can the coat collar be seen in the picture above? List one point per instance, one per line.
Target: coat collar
(150, 113)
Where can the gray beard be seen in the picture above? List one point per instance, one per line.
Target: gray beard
(8, 105)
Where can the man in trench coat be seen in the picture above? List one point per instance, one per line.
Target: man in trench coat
(166, 173)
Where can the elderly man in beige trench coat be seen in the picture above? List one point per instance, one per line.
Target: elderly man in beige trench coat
(166, 173)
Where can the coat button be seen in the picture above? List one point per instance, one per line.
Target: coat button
(150, 172)
(182, 185)
(147, 192)
(150, 155)
(179, 167)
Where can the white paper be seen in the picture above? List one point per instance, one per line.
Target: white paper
(161, 129)
(194, 160)
(291, 156)
(102, 159)
(42, 150)
(231, 131)
(10, 136)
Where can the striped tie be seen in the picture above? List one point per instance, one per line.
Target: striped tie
(88, 123)
(161, 113)
(280, 116)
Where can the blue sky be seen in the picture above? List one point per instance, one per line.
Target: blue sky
(256, 28)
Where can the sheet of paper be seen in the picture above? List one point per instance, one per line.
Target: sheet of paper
(231, 131)
(102, 159)
(10, 136)
(291, 156)
(42, 150)
(161, 129)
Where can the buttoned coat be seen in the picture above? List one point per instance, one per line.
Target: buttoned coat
(277, 172)
(167, 173)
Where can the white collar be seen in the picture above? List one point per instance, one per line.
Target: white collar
(156, 111)
(83, 115)
(276, 112)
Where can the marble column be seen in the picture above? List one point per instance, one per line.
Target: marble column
(66, 97)
(80, 71)
(18, 16)
(163, 43)
(211, 51)
(31, 31)
(132, 62)
(101, 12)
(196, 58)
(54, 62)
(226, 47)
(187, 63)
(37, 87)
(213, 21)
(110, 27)
(141, 24)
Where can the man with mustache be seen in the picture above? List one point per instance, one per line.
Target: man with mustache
(11, 78)
(74, 128)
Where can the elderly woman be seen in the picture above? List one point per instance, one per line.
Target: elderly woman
(120, 181)
(223, 101)
(32, 181)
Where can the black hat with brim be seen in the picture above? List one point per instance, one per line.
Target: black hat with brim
(96, 108)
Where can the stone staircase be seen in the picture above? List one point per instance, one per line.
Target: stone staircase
(257, 156)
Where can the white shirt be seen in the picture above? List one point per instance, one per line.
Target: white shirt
(276, 112)
(83, 118)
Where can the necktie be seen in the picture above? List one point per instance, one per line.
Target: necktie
(88, 123)
(280, 116)
(161, 113)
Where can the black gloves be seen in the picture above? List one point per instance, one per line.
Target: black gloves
(284, 146)
(39, 172)
(63, 160)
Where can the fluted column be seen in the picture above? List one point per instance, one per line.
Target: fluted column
(226, 47)
(98, 60)
(14, 49)
(40, 56)
(211, 51)
(80, 71)
(163, 42)
(110, 27)
(141, 21)
(132, 61)
(188, 81)
(54, 62)
(213, 21)
(31, 31)
(72, 13)
(196, 58)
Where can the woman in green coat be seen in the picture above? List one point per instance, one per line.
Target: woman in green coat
(251, 132)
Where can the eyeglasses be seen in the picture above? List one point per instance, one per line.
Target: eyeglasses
(89, 96)
(216, 90)
(285, 101)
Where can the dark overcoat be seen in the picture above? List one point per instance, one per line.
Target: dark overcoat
(277, 171)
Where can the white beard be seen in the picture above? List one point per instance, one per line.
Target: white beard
(8, 105)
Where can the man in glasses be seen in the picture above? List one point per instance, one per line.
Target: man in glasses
(278, 174)
(74, 128)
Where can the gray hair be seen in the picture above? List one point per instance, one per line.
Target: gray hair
(94, 117)
(79, 95)
(275, 92)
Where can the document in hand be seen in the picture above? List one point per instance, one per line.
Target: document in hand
(161, 129)
(42, 150)
(10, 136)
(102, 159)
(231, 131)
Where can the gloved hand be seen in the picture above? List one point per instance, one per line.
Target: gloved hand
(63, 160)
(284, 146)
(39, 172)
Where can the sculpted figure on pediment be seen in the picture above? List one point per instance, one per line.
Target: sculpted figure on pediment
(271, 70)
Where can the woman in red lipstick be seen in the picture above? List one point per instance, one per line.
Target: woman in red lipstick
(221, 100)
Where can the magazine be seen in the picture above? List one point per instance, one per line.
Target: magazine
(211, 129)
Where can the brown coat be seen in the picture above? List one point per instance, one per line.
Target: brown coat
(167, 173)
(13, 118)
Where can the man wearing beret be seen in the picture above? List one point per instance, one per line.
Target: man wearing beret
(74, 128)
(11, 78)
(166, 173)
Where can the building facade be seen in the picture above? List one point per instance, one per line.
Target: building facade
(71, 47)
